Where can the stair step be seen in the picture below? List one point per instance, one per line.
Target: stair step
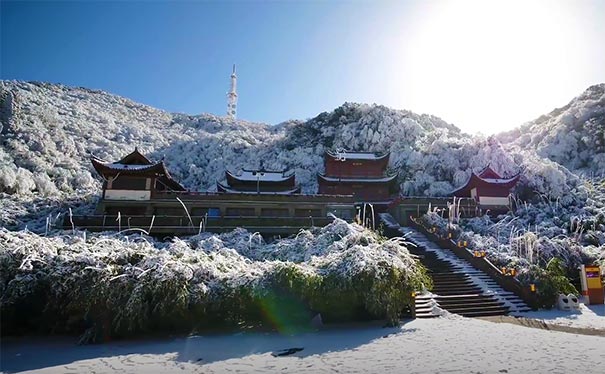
(448, 293)
(452, 280)
(440, 297)
(469, 303)
(457, 286)
(464, 311)
(458, 289)
(483, 313)
(426, 315)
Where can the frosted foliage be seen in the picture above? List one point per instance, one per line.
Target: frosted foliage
(52, 130)
(49, 131)
(571, 228)
(207, 261)
(573, 136)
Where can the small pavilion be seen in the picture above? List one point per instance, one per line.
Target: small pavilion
(488, 188)
(134, 177)
(259, 182)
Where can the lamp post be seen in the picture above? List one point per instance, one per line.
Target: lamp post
(341, 157)
(258, 175)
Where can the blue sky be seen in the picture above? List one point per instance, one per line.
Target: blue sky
(296, 59)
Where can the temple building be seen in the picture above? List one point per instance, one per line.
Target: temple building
(134, 177)
(488, 188)
(260, 182)
(361, 174)
(139, 194)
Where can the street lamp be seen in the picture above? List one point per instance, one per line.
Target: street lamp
(258, 175)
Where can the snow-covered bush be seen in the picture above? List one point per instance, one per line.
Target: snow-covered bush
(53, 129)
(550, 281)
(127, 284)
(573, 136)
(538, 233)
(48, 133)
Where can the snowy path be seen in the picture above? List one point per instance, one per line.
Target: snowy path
(451, 345)
(589, 316)
(487, 285)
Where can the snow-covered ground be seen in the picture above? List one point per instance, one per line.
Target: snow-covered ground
(452, 345)
(589, 316)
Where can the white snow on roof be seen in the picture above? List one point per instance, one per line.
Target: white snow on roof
(269, 176)
(367, 180)
(288, 192)
(496, 180)
(118, 166)
(356, 155)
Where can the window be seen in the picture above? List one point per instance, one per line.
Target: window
(307, 212)
(202, 212)
(240, 212)
(125, 210)
(344, 213)
(274, 212)
(172, 211)
(129, 183)
(199, 211)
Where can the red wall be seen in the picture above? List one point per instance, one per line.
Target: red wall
(354, 168)
(366, 191)
(494, 191)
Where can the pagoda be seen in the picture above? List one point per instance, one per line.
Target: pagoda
(361, 174)
(488, 188)
(134, 177)
(259, 182)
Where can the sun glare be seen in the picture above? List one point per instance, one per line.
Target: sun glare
(490, 66)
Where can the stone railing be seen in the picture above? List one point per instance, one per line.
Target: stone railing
(460, 249)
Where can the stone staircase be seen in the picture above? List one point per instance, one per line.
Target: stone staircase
(458, 287)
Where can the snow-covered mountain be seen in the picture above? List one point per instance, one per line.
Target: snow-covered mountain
(49, 131)
(573, 136)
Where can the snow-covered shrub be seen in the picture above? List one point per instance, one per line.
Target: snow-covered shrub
(550, 281)
(573, 136)
(49, 132)
(122, 285)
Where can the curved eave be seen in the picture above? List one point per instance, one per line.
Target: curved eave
(233, 179)
(284, 173)
(104, 168)
(475, 181)
(488, 172)
(226, 189)
(135, 157)
(384, 157)
(324, 178)
(158, 170)
(172, 183)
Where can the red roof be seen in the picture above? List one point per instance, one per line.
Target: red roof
(222, 188)
(489, 173)
(135, 158)
(266, 177)
(484, 183)
(385, 179)
(260, 180)
(346, 155)
(137, 164)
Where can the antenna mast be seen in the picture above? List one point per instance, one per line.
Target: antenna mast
(232, 96)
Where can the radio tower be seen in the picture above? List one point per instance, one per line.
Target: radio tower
(232, 96)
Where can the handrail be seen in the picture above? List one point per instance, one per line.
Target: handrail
(508, 283)
(264, 193)
(96, 216)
